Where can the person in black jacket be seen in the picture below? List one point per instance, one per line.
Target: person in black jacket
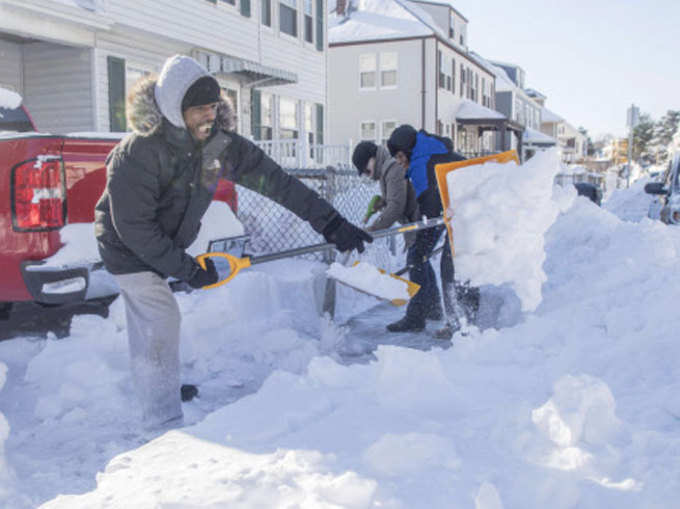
(160, 181)
(418, 152)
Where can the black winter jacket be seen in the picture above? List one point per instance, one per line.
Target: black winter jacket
(159, 185)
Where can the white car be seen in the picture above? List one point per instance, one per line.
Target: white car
(667, 206)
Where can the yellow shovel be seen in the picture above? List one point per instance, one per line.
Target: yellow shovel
(237, 264)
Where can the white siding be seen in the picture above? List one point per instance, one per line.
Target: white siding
(57, 87)
(11, 68)
(348, 106)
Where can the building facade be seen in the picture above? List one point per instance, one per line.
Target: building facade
(74, 61)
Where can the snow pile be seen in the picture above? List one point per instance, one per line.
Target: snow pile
(367, 278)
(9, 99)
(631, 204)
(500, 214)
(5, 472)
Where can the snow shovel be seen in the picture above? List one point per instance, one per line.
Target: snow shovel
(442, 170)
(237, 264)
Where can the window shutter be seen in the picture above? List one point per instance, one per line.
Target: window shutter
(116, 74)
(256, 113)
(319, 25)
(319, 124)
(245, 8)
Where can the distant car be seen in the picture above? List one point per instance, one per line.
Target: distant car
(590, 191)
(667, 207)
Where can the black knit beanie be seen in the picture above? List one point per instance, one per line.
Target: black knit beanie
(362, 153)
(403, 138)
(205, 90)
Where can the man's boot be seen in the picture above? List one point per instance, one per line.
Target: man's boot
(435, 313)
(406, 324)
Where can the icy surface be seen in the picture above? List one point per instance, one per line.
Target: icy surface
(574, 405)
(500, 215)
(366, 277)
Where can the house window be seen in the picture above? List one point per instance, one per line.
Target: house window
(387, 127)
(309, 127)
(452, 25)
(309, 21)
(368, 131)
(453, 75)
(261, 117)
(288, 17)
(440, 127)
(116, 75)
(266, 12)
(462, 81)
(319, 124)
(288, 125)
(367, 66)
(388, 69)
(442, 76)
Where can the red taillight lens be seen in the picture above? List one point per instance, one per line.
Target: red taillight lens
(38, 201)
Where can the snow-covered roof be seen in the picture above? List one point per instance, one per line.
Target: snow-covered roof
(9, 99)
(503, 81)
(532, 136)
(469, 110)
(535, 93)
(448, 3)
(548, 116)
(381, 20)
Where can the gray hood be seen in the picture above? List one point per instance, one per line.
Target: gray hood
(145, 116)
(178, 74)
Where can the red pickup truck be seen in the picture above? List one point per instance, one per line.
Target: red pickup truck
(46, 182)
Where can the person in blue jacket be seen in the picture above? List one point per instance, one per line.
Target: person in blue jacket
(418, 152)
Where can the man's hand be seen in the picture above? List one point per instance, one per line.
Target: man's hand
(345, 235)
(374, 206)
(205, 277)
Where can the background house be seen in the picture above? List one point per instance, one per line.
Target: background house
(401, 61)
(73, 61)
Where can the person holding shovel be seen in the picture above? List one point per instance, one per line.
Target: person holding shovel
(160, 181)
(418, 152)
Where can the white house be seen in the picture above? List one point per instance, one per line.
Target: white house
(73, 61)
(404, 61)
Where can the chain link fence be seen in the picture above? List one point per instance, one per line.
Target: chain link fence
(273, 228)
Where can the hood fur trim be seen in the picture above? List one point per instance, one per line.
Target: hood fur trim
(145, 118)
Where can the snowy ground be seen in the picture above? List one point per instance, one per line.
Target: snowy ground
(573, 405)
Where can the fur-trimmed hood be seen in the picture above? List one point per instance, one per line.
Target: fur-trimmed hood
(145, 117)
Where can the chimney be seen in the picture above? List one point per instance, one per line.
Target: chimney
(341, 7)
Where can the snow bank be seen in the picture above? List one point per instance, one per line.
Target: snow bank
(367, 278)
(9, 99)
(500, 215)
(5, 471)
(631, 204)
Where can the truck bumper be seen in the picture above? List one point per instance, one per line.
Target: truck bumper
(66, 285)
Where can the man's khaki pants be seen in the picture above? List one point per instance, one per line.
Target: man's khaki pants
(153, 322)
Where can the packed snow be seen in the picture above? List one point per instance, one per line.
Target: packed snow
(576, 405)
(500, 213)
(367, 278)
(9, 99)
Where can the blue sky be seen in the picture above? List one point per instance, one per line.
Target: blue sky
(591, 58)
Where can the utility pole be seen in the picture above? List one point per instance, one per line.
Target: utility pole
(632, 120)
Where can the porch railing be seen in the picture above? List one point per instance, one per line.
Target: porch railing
(301, 154)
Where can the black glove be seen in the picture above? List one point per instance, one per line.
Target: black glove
(345, 235)
(205, 277)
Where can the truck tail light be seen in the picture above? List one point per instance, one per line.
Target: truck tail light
(38, 193)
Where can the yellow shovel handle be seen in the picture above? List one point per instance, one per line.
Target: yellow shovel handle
(235, 266)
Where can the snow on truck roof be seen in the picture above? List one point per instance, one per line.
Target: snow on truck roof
(9, 99)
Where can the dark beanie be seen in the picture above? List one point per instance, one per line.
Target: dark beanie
(403, 138)
(205, 90)
(362, 153)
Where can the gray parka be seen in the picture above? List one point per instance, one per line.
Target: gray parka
(400, 198)
(160, 182)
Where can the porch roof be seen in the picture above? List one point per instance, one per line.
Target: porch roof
(534, 137)
(256, 74)
(472, 113)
